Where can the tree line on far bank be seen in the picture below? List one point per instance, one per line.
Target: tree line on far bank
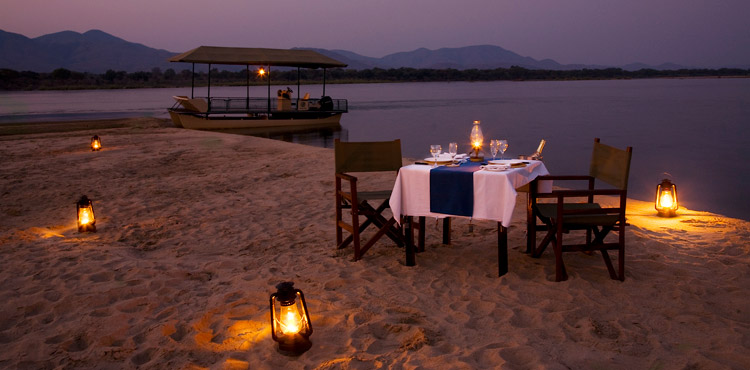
(64, 79)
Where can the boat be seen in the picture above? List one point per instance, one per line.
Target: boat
(279, 111)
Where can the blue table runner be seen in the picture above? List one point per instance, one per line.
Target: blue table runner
(452, 189)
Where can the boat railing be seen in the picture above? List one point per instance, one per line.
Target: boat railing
(235, 105)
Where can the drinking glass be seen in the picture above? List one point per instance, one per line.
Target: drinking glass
(435, 150)
(494, 148)
(453, 150)
(503, 146)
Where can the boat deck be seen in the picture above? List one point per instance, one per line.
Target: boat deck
(263, 106)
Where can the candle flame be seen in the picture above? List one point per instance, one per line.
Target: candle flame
(85, 216)
(665, 200)
(291, 322)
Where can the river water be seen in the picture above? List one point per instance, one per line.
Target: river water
(694, 129)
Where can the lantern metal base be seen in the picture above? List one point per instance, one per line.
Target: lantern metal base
(668, 213)
(295, 346)
(476, 155)
(87, 229)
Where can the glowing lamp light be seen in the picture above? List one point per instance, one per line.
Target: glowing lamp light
(86, 218)
(290, 321)
(666, 199)
(261, 72)
(96, 143)
(477, 139)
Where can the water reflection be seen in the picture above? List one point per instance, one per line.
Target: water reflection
(318, 135)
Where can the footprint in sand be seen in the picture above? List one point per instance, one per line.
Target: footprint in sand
(143, 357)
(520, 357)
(77, 344)
(604, 329)
(525, 318)
(335, 284)
(179, 334)
(52, 295)
(166, 313)
(34, 309)
(56, 339)
(101, 277)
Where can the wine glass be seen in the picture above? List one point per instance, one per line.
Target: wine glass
(503, 146)
(453, 150)
(435, 150)
(494, 148)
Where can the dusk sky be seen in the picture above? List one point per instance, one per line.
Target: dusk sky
(698, 33)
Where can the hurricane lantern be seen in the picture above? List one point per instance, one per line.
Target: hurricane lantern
(86, 219)
(477, 139)
(96, 143)
(290, 321)
(666, 199)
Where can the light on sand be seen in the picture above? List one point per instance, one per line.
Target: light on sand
(290, 321)
(96, 143)
(477, 139)
(666, 199)
(85, 212)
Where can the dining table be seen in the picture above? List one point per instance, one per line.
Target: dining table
(477, 190)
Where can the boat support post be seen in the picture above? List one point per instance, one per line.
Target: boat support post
(192, 83)
(298, 74)
(269, 89)
(209, 87)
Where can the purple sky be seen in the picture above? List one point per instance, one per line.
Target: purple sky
(699, 33)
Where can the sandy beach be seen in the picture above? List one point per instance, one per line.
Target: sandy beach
(194, 230)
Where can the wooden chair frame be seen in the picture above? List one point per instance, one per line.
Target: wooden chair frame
(560, 218)
(358, 202)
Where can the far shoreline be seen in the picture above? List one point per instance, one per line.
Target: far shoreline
(63, 79)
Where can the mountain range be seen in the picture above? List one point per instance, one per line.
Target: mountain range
(96, 51)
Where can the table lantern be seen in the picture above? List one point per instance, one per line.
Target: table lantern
(85, 211)
(96, 143)
(477, 139)
(666, 199)
(290, 321)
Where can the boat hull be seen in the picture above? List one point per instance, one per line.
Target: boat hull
(199, 122)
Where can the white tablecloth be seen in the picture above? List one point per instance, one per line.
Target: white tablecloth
(494, 192)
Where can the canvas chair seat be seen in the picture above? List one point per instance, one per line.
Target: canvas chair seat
(567, 213)
(549, 210)
(371, 195)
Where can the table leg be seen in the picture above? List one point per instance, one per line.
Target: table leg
(447, 230)
(409, 242)
(502, 249)
(422, 232)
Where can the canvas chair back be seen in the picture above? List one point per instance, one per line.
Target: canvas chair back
(367, 156)
(611, 165)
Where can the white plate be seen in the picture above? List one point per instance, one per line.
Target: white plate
(439, 161)
(495, 168)
(505, 161)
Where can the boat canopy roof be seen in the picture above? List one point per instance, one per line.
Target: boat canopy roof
(257, 56)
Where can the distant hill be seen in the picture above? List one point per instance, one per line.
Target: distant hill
(468, 57)
(97, 51)
(93, 51)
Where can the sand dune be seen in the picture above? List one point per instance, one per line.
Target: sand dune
(196, 228)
